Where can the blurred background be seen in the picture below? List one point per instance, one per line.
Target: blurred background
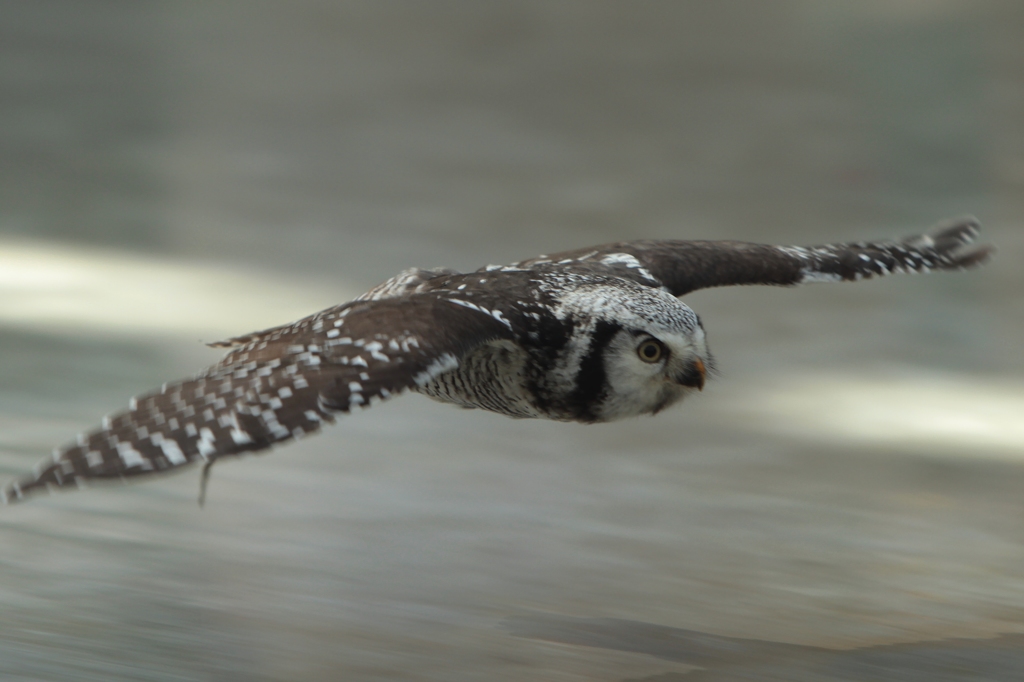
(842, 503)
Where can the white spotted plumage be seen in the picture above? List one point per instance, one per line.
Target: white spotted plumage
(590, 335)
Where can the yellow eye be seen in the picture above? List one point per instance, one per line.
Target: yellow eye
(650, 350)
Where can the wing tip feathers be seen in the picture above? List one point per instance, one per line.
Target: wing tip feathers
(950, 237)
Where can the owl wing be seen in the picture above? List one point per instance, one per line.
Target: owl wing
(406, 283)
(275, 386)
(685, 266)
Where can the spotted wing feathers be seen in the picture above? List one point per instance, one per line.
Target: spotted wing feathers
(684, 266)
(275, 386)
(406, 283)
(943, 248)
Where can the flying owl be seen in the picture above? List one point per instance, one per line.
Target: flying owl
(591, 335)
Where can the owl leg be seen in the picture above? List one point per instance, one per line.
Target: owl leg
(204, 480)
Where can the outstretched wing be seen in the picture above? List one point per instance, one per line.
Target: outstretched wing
(275, 386)
(684, 266)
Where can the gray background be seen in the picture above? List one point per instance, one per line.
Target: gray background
(842, 503)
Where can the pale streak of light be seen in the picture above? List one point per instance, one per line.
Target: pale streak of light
(68, 289)
(937, 414)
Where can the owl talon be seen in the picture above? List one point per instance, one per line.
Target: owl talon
(204, 480)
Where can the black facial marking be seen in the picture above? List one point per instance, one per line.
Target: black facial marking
(592, 381)
(544, 337)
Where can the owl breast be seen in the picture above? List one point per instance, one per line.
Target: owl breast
(493, 377)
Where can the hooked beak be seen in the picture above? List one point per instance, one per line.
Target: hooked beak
(694, 375)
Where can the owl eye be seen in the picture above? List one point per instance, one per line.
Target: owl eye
(650, 350)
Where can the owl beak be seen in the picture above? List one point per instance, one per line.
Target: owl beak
(694, 375)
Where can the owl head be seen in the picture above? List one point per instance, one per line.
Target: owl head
(642, 351)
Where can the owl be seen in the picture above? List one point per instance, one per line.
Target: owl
(590, 335)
